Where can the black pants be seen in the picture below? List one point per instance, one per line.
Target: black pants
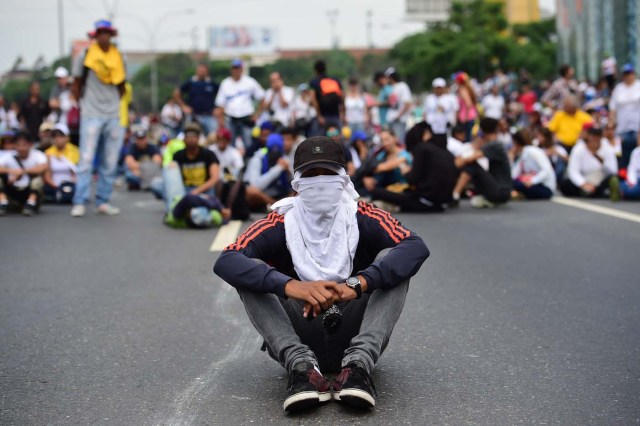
(486, 185)
(408, 201)
(20, 196)
(569, 189)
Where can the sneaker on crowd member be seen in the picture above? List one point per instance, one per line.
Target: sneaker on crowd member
(431, 178)
(21, 176)
(630, 187)
(532, 172)
(592, 168)
(492, 186)
(143, 162)
(63, 158)
(230, 158)
(297, 296)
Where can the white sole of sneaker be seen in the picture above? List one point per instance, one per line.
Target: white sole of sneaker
(356, 397)
(301, 401)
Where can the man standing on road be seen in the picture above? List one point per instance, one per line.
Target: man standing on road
(327, 98)
(33, 111)
(235, 100)
(278, 101)
(100, 77)
(401, 103)
(625, 112)
(201, 93)
(316, 283)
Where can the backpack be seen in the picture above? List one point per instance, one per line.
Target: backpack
(330, 92)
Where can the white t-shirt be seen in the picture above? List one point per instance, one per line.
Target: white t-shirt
(625, 100)
(171, 115)
(468, 150)
(439, 111)
(454, 146)
(493, 106)
(584, 167)
(609, 66)
(281, 113)
(400, 96)
(62, 170)
(633, 169)
(534, 162)
(35, 158)
(302, 109)
(236, 97)
(355, 109)
(229, 159)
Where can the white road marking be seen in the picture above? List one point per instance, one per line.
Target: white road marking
(226, 235)
(597, 209)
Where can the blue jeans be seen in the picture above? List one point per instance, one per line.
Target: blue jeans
(399, 128)
(131, 178)
(630, 192)
(208, 122)
(629, 142)
(104, 137)
(240, 129)
(533, 192)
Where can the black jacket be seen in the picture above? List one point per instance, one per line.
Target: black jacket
(265, 240)
(433, 173)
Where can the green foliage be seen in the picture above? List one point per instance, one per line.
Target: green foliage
(16, 91)
(476, 39)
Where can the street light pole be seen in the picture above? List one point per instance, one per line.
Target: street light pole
(61, 28)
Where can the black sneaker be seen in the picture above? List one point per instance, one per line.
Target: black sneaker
(307, 388)
(4, 209)
(354, 386)
(29, 209)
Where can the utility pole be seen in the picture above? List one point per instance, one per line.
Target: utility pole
(61, 29)
(370, 28)
(332, 14)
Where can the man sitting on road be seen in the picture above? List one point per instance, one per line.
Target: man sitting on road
(21, 176)
(267, 175)
(231, 161)
(316, 283)
(60, 177)
(143, 162)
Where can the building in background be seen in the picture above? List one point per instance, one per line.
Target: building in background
(589, 30)
(434, 11)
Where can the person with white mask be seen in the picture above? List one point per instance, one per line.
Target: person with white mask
(317, 281)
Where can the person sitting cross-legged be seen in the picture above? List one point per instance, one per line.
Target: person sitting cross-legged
(60, 177)
(532, 172)
(317, 281)
(143, 162)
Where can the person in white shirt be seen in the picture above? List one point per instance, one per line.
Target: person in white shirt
(455, 144)
(231, 162)
(609, 68)
(493, 103)
(60, 177)
(278, 100)
(625, 112)
(235, 101)
(22, 172)
(440, 109)
(532, 172)
(171, 116)
(355, 107)
(630, 188)
(592, 169)
(400, 102)
(303, 110)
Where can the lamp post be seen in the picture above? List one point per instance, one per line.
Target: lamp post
(152, 33)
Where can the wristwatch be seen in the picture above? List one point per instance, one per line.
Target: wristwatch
(355, 284)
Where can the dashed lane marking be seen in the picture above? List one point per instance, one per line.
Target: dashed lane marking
(631, 217)
(226, 235)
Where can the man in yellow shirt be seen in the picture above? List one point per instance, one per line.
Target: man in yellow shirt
(567, 123)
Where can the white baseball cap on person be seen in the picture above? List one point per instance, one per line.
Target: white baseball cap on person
(61, 72)
(61, 127)
(439, 82)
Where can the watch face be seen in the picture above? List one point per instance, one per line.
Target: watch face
(353, 281)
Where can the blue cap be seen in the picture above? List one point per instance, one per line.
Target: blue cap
(275, 140)
(358, 135)
(7, 134)
(267, 125)
(236, 63)
(627, 69)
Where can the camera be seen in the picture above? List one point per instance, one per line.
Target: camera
(332, 319)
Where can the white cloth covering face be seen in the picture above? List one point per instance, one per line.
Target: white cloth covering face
(321, 227)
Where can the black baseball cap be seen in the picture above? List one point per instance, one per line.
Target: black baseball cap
(318, 149)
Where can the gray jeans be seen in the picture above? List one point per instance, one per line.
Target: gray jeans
(290, 338)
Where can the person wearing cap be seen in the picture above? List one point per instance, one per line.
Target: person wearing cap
(230, 158)
(567, 123)
(235, 107)
(278, 102)
(21, 176)
(7, 142)
(99, 83)
(625, 112)
(401, 102)
(440, 109)
(63, 158)
(317, 252)
(303, 110)
(592, 169)
(267, 176)
(200, 91)
(33, 111)
(45, 135)
(60, 96)
(143, 162)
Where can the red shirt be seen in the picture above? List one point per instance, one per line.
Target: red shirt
(528, 100)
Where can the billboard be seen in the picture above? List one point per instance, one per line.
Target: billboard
(242, 40)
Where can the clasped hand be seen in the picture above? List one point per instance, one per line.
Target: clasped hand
(318, 296)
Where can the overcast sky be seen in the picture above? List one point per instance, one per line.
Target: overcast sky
(30, 27)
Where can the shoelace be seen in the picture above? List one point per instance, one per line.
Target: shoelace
(361, 373)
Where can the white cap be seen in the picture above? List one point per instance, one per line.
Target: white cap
(389, 71)
(63, 128)
(61, 72)
(439, 82)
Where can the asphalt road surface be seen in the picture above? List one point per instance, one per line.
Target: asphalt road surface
(527, 314)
